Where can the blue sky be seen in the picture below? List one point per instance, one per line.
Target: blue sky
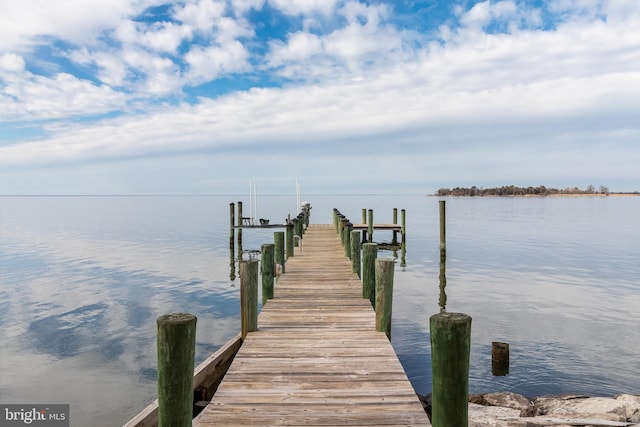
(199, 96)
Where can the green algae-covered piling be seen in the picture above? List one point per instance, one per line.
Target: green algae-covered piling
(176, 343)
(355, 253)
(278, 239)
(248, 296)
(267, 264)
(450, 347)
(443, 231)
(348, 228)
(289, 237)
(369, 255)
(384, 295)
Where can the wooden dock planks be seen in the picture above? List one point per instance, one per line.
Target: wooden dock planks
(316, 358)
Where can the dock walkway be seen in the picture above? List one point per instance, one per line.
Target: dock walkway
(316, 358)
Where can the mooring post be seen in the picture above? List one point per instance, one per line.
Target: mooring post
(267, 258)
(348, 228)
(403, 236)
(364, 216)
(499, 358)
(278, 239)
(232, 222)
(370, 226)
(239, 220)
(450, 347)
(289, 236)
(232, 238)
(295, 232)
(355, 253)
(369, 255)
(395, 222)
(248, 296)
(384, 295)
(300, 225)
(335, 218)
(443, 234)
(176, 342)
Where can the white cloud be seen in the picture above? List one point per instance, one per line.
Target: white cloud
(207, 63)
(299, 47)
(202, 15)
(11, 62)
(304, 7)
(62, 96)
(23, 22)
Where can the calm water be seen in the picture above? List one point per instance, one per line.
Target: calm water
(84, 278)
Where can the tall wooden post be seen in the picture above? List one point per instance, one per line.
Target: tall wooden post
(395, 222)
(232, 222)
(176, 342)
(248, 296)
(267, 258)
(355, 253)
(289, 237)
(450, 348)
(370, 226)
(348, 228)
(295, 232)
(364, 221)
(403, 235)
(239, 220)
(278, 239)
(443, 231)
(369, 255)
(384, 295)
(232, 243)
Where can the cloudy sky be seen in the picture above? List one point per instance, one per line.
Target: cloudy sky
(407, 96)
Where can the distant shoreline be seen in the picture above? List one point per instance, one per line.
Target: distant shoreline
(540, 190)
(541, 195)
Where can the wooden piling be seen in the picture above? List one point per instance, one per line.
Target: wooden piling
(176, 342)
(248, 296)
(295, 232)
(232, 222)
(289, 237)
(443, 235)
(355, 253)
(395, 222)
(239, 221)
(267, 269)
(278, 239)
(384, 295)
(348, 228)
(364, 216)
(499, 358)
(450, 348)
(369, 255)
(403, 236)
(370, 227)
(232, 238)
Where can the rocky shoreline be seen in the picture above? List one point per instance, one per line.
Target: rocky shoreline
(506, 409)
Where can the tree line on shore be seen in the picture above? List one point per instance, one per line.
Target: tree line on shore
(512, 190)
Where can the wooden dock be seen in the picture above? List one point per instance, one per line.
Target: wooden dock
(316, 358)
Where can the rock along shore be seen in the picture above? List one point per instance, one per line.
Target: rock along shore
(506, 409)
